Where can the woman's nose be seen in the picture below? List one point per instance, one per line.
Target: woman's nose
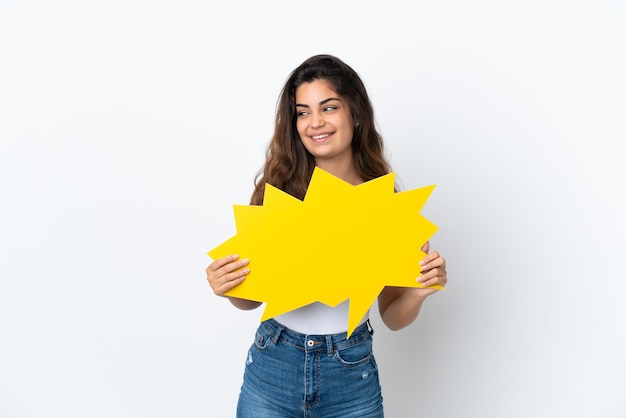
(317, 120)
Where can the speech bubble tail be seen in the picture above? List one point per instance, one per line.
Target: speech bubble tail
(358, 308)
(271, 310)
(274, 308)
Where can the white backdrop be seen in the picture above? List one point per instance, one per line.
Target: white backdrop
(129, 128)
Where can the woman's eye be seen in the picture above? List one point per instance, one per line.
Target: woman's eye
(327, 108)
(301, 113)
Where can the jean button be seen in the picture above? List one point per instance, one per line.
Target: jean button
(310, 343)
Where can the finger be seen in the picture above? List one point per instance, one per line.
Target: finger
(224, 287)
(217, 264)
(437, 280)
(214, 272)
(433, 277)
(427, 276)
(432, 261)
(426, 247)
(233, 266)
(225, 270)
(431, 256)
(228, 272)
(226, 282)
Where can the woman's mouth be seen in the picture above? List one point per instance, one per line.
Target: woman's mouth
(320, 137)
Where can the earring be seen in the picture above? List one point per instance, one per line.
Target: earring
(356, 125)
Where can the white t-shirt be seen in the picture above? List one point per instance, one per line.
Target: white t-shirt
(318, 319)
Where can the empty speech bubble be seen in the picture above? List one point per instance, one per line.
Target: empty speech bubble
(340, 242)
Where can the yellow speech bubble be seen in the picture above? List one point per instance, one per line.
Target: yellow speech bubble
(340, 242)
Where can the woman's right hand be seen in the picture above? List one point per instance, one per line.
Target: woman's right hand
(225, 273)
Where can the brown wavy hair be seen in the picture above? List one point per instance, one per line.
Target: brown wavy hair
(288, 165)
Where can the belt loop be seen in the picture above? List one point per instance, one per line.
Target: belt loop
(369, 327)
(279, 329)
(329, 344)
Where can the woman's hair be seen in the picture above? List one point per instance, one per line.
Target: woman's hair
(288, 165)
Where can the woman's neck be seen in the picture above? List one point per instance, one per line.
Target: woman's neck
(344, 170)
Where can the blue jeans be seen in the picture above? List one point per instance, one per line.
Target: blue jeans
(291, 375)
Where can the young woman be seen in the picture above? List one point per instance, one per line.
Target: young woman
(300, 363)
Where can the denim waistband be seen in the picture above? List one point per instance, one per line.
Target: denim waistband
(309, 343)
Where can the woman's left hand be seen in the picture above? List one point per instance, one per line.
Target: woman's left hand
(433, 271)
(399, 306)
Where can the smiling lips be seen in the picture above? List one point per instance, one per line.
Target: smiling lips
(320, 137)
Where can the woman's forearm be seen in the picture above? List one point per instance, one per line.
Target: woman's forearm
(399, 307)
(244, 304)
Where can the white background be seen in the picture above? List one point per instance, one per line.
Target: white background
(129, 128)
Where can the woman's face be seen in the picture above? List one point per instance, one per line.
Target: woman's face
(324, 122)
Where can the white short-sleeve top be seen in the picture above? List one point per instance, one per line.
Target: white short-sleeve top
(318, 319)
